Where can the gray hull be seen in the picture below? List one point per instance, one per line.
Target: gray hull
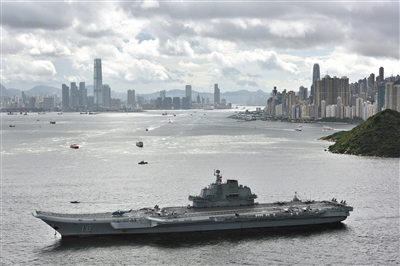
(68, 227)
(220, 206)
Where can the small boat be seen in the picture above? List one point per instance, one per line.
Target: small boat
(12, 125)
(147, 129)
(74, 146)
(60, 113)
(75, 201)
(142, 162)
(139, 144)
(325, 128)
(52, 122)
(297, 129)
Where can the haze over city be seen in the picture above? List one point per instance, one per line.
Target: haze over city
(150, 46)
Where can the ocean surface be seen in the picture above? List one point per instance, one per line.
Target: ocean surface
(40, 172)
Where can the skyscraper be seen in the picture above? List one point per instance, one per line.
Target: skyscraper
(106, 96)
(188, 91)
(381, 74)
(98, 83)
(217, 95)
(315, 76)
(74, 95)
(65, 97)
(82, 94)
(131, 98)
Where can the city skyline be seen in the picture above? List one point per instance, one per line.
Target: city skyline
(154, 46)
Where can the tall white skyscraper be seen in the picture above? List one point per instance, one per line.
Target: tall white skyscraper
(98, 83)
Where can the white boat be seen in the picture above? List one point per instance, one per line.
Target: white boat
(325, 128)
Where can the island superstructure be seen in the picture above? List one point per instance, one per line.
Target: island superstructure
(220, 206)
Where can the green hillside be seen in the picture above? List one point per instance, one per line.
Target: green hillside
(378, 136)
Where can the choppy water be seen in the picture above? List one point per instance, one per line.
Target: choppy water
(40, 172)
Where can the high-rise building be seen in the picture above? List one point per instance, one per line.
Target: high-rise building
(392, 96)
(48, 103)
(329, 89)
(360, 108)
(217, 95)
(303, 93)
(291, 102)
(381, 97)
(188, 91)
(315, 76)
(106, 96)
(82, 94)
(97, 83)
(74, 95)
(381, 74)
(65, 97)
(131, 98)
(176, 102)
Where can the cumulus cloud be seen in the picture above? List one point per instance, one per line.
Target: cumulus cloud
(24, 70)
(188, 65)
(244, 83)
(160, 42)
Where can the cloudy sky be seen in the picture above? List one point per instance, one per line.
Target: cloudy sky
(150, 46)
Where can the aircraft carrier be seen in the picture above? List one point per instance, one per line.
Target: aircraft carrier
(220, 206)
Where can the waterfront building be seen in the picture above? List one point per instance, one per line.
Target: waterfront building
(65, 97)
(216, 95)
(176, 102)
(106, 96)
(186, 103)
(188, 91)
(97, 83)
(82, 94)
(291, 101)
(131, 98)
(323, 108)
(74, 95)
(167, 103)
(48, 103)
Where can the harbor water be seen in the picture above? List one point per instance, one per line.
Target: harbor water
(39, 171)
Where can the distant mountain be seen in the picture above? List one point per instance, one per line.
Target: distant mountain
(44, 90)
(4, 92)
(37, 90)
